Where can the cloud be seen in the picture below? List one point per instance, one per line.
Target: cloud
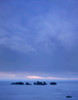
(16, 43)
(38, 36)
(35, 77)
(47, 36)
(42, 32)
(55, 78)
(4, 75)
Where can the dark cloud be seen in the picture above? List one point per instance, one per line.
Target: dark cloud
(39, 36)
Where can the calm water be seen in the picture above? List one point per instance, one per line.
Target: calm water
(48, 92)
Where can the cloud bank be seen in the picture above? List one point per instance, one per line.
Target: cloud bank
(39, 36)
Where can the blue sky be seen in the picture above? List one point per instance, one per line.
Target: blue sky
(39, 37)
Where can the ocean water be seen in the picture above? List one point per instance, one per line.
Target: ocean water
(33, 92)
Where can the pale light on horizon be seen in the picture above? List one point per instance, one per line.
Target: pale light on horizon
(56, 78)
(4, 75)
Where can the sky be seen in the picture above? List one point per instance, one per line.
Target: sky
(39, 39)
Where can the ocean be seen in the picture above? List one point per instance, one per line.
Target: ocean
(37, 92)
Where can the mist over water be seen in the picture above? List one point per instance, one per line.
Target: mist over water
(34, 92)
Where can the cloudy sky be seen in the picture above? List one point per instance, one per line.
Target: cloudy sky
(39, 39)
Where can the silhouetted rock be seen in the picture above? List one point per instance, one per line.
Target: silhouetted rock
(44, 83)
(18, 83)
(68, 96)
(53, 83)
(40, 83)
(27, 83)
(35, 83)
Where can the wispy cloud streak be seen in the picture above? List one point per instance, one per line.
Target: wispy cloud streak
(23, 76)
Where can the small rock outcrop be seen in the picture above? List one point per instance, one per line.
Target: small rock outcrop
(44, 83)
(40, 83)
(27, 83)
(68, 96)
(53, 83)
(18, 83)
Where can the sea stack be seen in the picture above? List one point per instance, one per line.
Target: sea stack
(53, 83)
(18, 83)
(27, 83)
(40, 83)
(68, 96)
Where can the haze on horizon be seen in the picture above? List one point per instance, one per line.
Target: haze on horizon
(39, 39)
